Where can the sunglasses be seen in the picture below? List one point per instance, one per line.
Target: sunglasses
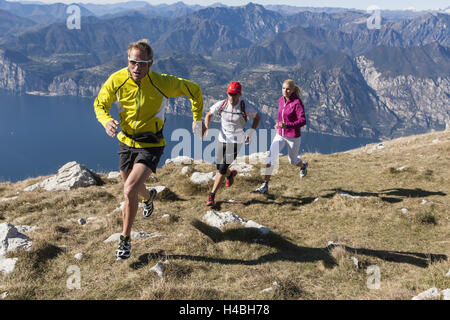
(139, 63)
(232, 94)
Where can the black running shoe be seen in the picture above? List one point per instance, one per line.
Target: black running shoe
(304, 170)
(148, 204)
(124, 250)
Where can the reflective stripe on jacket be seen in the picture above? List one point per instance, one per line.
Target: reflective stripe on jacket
(142, 106)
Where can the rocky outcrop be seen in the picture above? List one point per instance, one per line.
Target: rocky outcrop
(13, 78)
(11, 240)
(62, 86)
(420, 103)
(70, 176)
(221, 219)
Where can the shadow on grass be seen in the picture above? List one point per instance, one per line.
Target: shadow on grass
(271, 199)
(386, 195)
(286, 250)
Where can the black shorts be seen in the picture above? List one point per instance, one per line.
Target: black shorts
(148, 156)
(226, 153)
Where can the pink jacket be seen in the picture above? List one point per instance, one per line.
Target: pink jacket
(292, 113)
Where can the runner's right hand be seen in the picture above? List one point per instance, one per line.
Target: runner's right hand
(111, 128)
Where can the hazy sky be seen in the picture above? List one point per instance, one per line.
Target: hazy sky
(358, 4)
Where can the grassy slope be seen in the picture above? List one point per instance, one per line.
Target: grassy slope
(412, 250)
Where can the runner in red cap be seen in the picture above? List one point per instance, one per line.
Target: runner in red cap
(233, 112)
(234, 87)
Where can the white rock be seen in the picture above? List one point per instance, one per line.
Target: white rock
(7, 265)
(244, 175)
(71, 175)
(379, 146)
(257, 157)
(166, 216)
(316, 199)
(159, 269)
(180, 160)
(26, 228)
(274, 286)
(401, 168)
(445, 294)
(202, 178)
(91, 218)
(81, 221)
(435, 141)
(8, 199)
(253, 224)
(114, 175)
(404, 210)
(134, 235)
(32, 187)
(430, 294)
(355, 262)
(448, 274)
(221, 219)
(241, 167)
(5, 295)
(11, 239)
(424, 201)
(79, 256)
(349, 195)
(187, 170)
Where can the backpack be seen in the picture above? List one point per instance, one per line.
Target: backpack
(244, 114)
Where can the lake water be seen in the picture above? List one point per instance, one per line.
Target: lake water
(40, 134)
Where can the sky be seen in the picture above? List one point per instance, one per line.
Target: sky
(357, 4)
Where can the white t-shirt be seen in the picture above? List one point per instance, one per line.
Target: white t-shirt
(232, 120)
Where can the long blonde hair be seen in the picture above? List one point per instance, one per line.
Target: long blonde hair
(292, 84)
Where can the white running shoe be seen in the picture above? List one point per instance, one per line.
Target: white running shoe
(264, 188)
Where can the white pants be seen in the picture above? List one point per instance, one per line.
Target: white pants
(278, 144)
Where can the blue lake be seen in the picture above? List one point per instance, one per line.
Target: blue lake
(40, 134)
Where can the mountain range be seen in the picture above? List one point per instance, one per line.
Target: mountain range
(355, 81)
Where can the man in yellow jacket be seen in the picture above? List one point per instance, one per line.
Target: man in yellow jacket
(141, 94)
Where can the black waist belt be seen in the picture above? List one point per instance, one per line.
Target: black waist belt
(147, 137)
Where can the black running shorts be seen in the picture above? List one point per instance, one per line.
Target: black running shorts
(226, 153)
(148, 156)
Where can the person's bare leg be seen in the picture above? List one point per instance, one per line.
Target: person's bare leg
(218, 181)
(132, 185)
(143, 192)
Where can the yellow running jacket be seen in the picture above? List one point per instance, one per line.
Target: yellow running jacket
(141, 106)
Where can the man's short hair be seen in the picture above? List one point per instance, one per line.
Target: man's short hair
(142, 45)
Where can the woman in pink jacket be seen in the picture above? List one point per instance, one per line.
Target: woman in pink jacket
(291, 117)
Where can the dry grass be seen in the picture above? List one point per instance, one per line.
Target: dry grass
(354, 199)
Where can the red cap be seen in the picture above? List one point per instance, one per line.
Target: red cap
(234, 87)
